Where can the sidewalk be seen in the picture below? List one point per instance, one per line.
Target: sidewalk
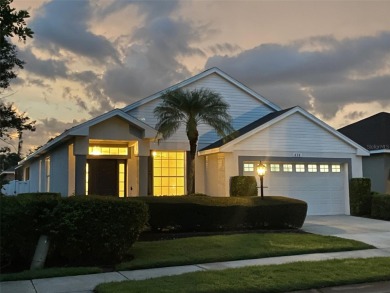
(86, 283)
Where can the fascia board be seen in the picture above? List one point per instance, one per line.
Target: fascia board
(383, 151)
(209, 152)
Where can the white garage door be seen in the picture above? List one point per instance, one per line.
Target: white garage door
(321, 185)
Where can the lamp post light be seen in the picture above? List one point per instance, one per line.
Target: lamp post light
(261, 172)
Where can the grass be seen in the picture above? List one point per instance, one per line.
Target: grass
(232, 247)
(151, 254)
(273, 278)
(49, 273)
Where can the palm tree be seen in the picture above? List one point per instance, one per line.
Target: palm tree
(199, 106)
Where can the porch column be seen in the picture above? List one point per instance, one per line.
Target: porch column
(143, 175)
(81, 161)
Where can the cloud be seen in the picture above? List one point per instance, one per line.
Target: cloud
(63, 25)
(48, 68)
(151, 60)
(329, 72)
(45, 130)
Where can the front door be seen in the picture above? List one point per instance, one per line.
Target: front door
(103, 177)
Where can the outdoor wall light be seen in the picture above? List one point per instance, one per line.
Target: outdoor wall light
(261, 169)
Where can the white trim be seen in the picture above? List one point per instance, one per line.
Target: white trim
(228, 146)
(384, 151)
(198, 77)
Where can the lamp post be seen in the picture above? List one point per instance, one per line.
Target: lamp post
(261, 172)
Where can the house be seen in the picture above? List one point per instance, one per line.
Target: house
(374, 134)
(117, 154)
(8, 174)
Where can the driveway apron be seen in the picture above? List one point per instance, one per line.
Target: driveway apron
(370, 231)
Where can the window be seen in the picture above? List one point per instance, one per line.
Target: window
(287, 167)
(336, 168)
(168, 173)
(248, 167)
(121, 179)
(47, 171)
(96, 150)
(27, 174)
(86, 178)
(324, 168)
(312, 168)
(299, 168)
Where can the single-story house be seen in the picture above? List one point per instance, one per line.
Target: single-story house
(8, 174)
(374, 134)
(117, 153)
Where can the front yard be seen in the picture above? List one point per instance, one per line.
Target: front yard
(273, 278)
(193, 250)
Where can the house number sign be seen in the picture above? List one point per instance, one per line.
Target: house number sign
(297, 155)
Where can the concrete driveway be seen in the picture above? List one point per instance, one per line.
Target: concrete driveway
(374, 232)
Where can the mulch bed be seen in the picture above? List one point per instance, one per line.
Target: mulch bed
(156, 236)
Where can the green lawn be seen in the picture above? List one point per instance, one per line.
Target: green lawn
(273, 278)
(232, 247)
(193, 250)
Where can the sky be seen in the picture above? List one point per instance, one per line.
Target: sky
(87, 57)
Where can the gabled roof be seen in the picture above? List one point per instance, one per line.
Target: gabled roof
(271, 119)
(83, 129)
(373, 132)
(197, 77)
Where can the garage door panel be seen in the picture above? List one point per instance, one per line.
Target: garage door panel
(323, 191)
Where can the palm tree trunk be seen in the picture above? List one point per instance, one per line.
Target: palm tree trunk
(191, 176)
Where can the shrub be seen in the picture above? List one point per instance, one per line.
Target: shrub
(243, 186)
(380, 206)
(360, 196)
(23, 219)
(182, 214)
(96, 230)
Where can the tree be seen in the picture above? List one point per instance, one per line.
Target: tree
(192, 108)
(11, 120)
(12, 23)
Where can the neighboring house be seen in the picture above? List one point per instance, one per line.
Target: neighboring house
(117, 154)
(8, 175)
(374, 134)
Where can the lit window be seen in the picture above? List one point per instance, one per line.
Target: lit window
(168, 173)
(312, 168)
(275, 168)
(86, 178)
(299, 168)
(336, 168)
(248, 167)
(287, 167)
(121, 179)
(324, 168)
(108, 150)
(47, 169)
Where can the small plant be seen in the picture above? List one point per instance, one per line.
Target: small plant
(243, 186)
(360, 196)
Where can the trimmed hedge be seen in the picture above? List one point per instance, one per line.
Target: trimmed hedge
(82, 230)
(23, 219)
(380, 206)
(360, 196)
(96, 230)
(243, 186)
(187, 214)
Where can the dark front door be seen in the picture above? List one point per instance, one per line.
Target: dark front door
(103, 177)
